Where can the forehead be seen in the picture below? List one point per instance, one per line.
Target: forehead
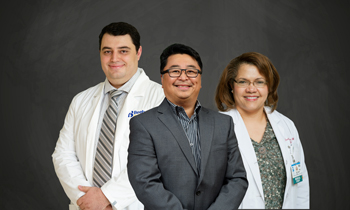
(181, 60)
(112, 41)
(249, 71)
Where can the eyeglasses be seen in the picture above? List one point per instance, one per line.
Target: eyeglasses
(245, 83)
(176, 72)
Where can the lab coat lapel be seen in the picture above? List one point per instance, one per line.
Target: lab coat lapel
(206, 130)
(132, 102)
(246, 148)
(90, 141)
(281, 134)
(170, 121)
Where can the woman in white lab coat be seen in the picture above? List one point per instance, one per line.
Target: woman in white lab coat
(268, 141)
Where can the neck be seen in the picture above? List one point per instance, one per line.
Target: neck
(254, 116)
(189, 110)
(187, 105)
(117, 83)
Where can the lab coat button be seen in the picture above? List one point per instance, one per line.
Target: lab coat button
(198, 192)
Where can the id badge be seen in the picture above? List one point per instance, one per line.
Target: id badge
(296, 173)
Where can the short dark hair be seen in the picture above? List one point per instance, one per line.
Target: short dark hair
(178, 49)
(224, 97)
(119, 29)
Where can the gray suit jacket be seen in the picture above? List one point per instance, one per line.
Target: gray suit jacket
(162, 169)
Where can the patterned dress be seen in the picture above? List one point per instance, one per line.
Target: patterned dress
(272, 169)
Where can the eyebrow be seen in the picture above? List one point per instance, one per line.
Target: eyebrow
(122, 47)
(177, 66)
(255, 79)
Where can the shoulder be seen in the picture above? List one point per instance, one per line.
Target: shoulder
(233, 114)
(145, 84)
(276, 115)
(217, 115)
(88, 93)
(144, 79)
(280, 120)
(146, 116)
(147, 120)
(154, 86)
(228, 112)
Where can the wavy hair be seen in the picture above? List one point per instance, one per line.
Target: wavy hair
(224, 97)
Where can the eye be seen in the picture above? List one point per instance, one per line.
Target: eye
(175, 71)
(123, 51)
(107, 52)
(191, 71)
(242, 82)
(260, 82)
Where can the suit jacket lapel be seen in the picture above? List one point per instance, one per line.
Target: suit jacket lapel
(206, 130)
(246, 148)
(168, 118)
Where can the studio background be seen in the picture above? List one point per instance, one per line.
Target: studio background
(49, 53)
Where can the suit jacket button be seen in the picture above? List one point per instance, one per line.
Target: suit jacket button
(198, 192)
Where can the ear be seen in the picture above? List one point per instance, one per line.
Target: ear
(161, 79)
(230, 85)
(139, 52)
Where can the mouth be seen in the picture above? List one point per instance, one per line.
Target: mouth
(114, 66)
(251, 98)
(183, 86)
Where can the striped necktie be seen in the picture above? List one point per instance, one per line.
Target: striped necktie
(104, 153)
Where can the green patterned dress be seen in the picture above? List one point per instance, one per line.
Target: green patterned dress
(272, 169)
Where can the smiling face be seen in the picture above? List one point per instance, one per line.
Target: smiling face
(119, 59)
(249, 99)
(181, 90)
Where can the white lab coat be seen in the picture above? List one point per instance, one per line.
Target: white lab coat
(295, 196)
(73, 157)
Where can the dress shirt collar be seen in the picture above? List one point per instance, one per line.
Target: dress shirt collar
(177, 109)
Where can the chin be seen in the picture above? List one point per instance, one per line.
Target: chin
(254, 109)
(250, 108)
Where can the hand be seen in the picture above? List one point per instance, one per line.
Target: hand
(94, 199)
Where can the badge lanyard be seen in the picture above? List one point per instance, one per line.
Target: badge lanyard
(295, 167)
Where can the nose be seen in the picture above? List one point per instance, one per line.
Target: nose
(251, 88)
(183, 75)
(114, 57)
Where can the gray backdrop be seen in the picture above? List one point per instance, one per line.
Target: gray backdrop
(49, 53)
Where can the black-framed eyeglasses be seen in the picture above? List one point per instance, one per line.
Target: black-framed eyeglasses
(176, 72)
(245, 83)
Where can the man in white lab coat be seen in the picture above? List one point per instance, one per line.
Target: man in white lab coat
(78, 142)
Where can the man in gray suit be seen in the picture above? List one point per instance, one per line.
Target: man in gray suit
(182, 155)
